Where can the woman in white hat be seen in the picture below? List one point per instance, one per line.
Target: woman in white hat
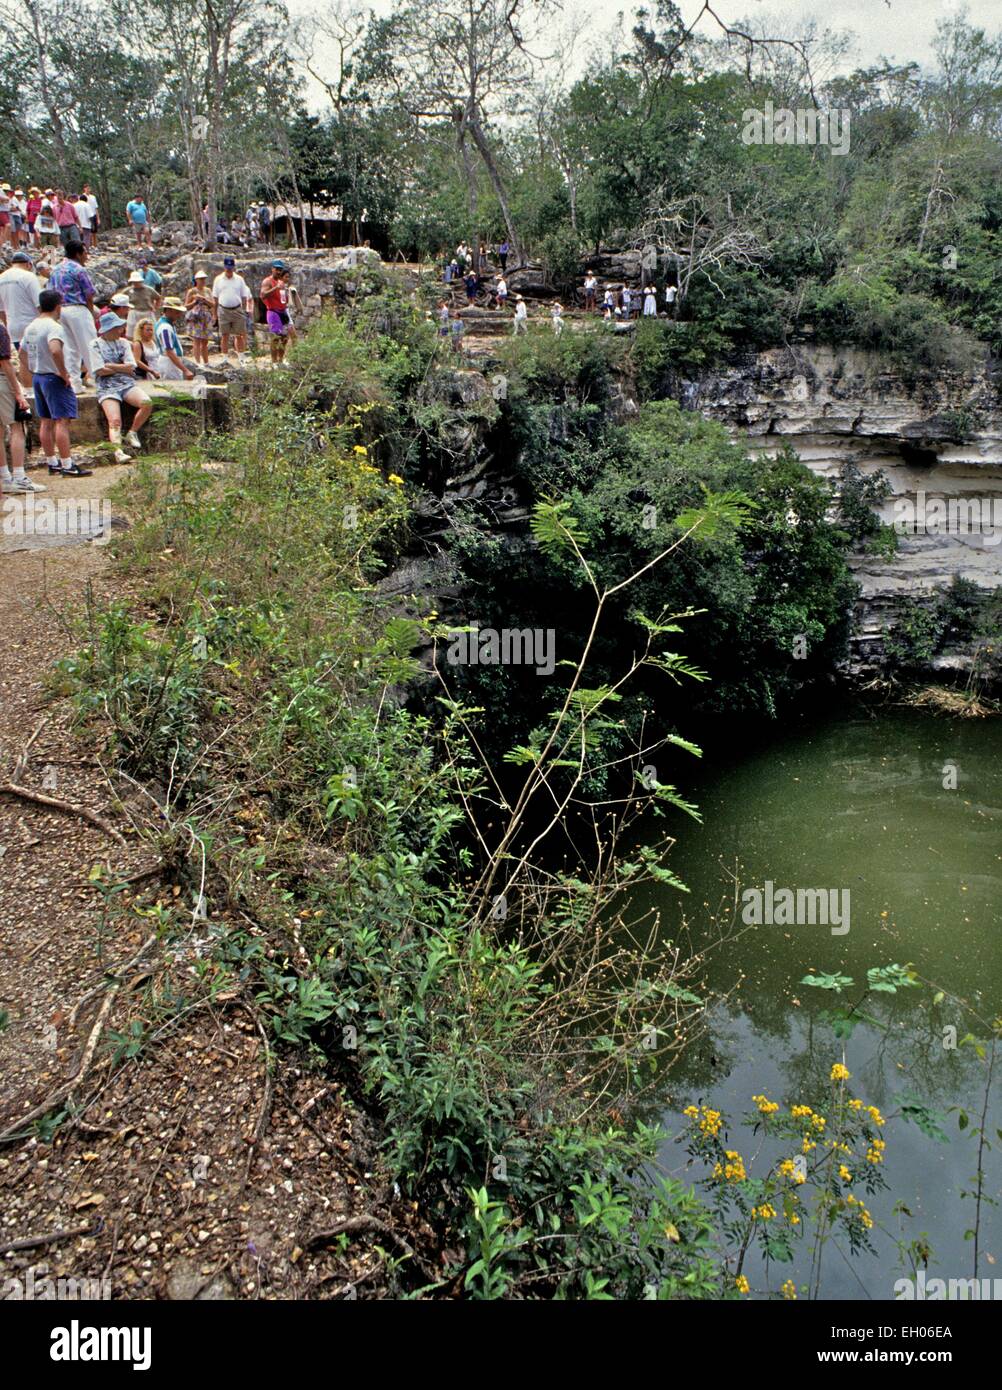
(198, 316)
(115, 381)
(144, 301)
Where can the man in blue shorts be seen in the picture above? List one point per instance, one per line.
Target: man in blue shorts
(55, 400)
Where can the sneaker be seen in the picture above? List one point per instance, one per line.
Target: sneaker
(122, 457)
(133, 440)
(54, 467)
(74, 471)
(17, 485)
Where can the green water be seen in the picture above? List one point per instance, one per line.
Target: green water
(854, 803)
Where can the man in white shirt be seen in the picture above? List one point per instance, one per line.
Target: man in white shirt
(520, 323)
(95, 216)
(19, 291)
(232, 302)
(82, 206)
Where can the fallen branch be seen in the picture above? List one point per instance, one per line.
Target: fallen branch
(265, 1111)
(33, 1242)
(83, 812)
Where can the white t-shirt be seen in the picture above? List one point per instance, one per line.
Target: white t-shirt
(19, 290)
(83, 213)
(230, 291)
(37, 337)
(92, 208)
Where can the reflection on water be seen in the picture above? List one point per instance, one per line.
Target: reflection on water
(905, 812)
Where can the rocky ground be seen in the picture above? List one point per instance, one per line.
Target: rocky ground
(189, 1159)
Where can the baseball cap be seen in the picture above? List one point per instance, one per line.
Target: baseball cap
(228, 262)
(278, 265)
(109, 321)
(22, 258)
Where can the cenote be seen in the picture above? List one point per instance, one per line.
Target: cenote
(861, 802)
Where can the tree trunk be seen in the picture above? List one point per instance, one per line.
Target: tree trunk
(484, 149)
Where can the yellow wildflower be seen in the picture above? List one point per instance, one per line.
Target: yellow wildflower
(844, 1174)
(839, 1072)
(800, 1112)
(788, 1289)
(741, 1284)
(875, 1115)
(767, 1107)
(763, 1213)
(396, 480)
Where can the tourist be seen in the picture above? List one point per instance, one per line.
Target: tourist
(457, 328)
(521, 323)
(501, 292)
(46, 230)
(6, 194)
(18, 209)
(83, 218)
(264, 217)
(144, 301)
(503, 250)
(557, 318)
(94, 210)
(609, 298)
(19, 291)
(77, 317)
(14, 408)
(115, 381)
(138, 217)
(43, 356)
(144, 348)
(170, 364)
(198, 317)
(67, 221)
(650, 303)
(590, 291)
(671, 294)
(482, 260)
(32, 208)
(232, 302)
(472, 285)
(275, 298)
(627, 301)
(442, 314)
(151, 277)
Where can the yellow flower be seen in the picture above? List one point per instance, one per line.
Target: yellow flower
(839, 1072)
(732, 1171)
(818, 1121)
(808, 1145)
(799, 1112)
(844, 1173)
(741, 1284)
(789, 1289)
(875, 1115)
(692, 1111)
(763, 1213)
(396, 480)
(855, 1105)
(361, 449)
(767, 1107)
(791, 1170)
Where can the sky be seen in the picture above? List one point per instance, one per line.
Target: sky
(900, 30)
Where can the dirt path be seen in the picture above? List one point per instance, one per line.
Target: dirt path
(191, 1172)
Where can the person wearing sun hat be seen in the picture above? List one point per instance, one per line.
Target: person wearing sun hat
(144, 301)
(170, 364)
(116, 384)
(32, 208)
(198, 316)
(17, 213)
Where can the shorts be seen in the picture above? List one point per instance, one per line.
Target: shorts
(54, 400)
(278, 321)
(232, 321)
(6, 402)
(114, 388)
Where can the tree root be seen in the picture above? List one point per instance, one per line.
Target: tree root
(83, 812)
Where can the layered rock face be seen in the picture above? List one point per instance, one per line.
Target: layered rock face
(936, 437)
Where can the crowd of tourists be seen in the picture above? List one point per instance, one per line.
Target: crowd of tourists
(58, 337)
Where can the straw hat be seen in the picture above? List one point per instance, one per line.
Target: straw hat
(172, 302)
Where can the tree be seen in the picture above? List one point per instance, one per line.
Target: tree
(469, 63)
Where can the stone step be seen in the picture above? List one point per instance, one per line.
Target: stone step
(181, 414)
